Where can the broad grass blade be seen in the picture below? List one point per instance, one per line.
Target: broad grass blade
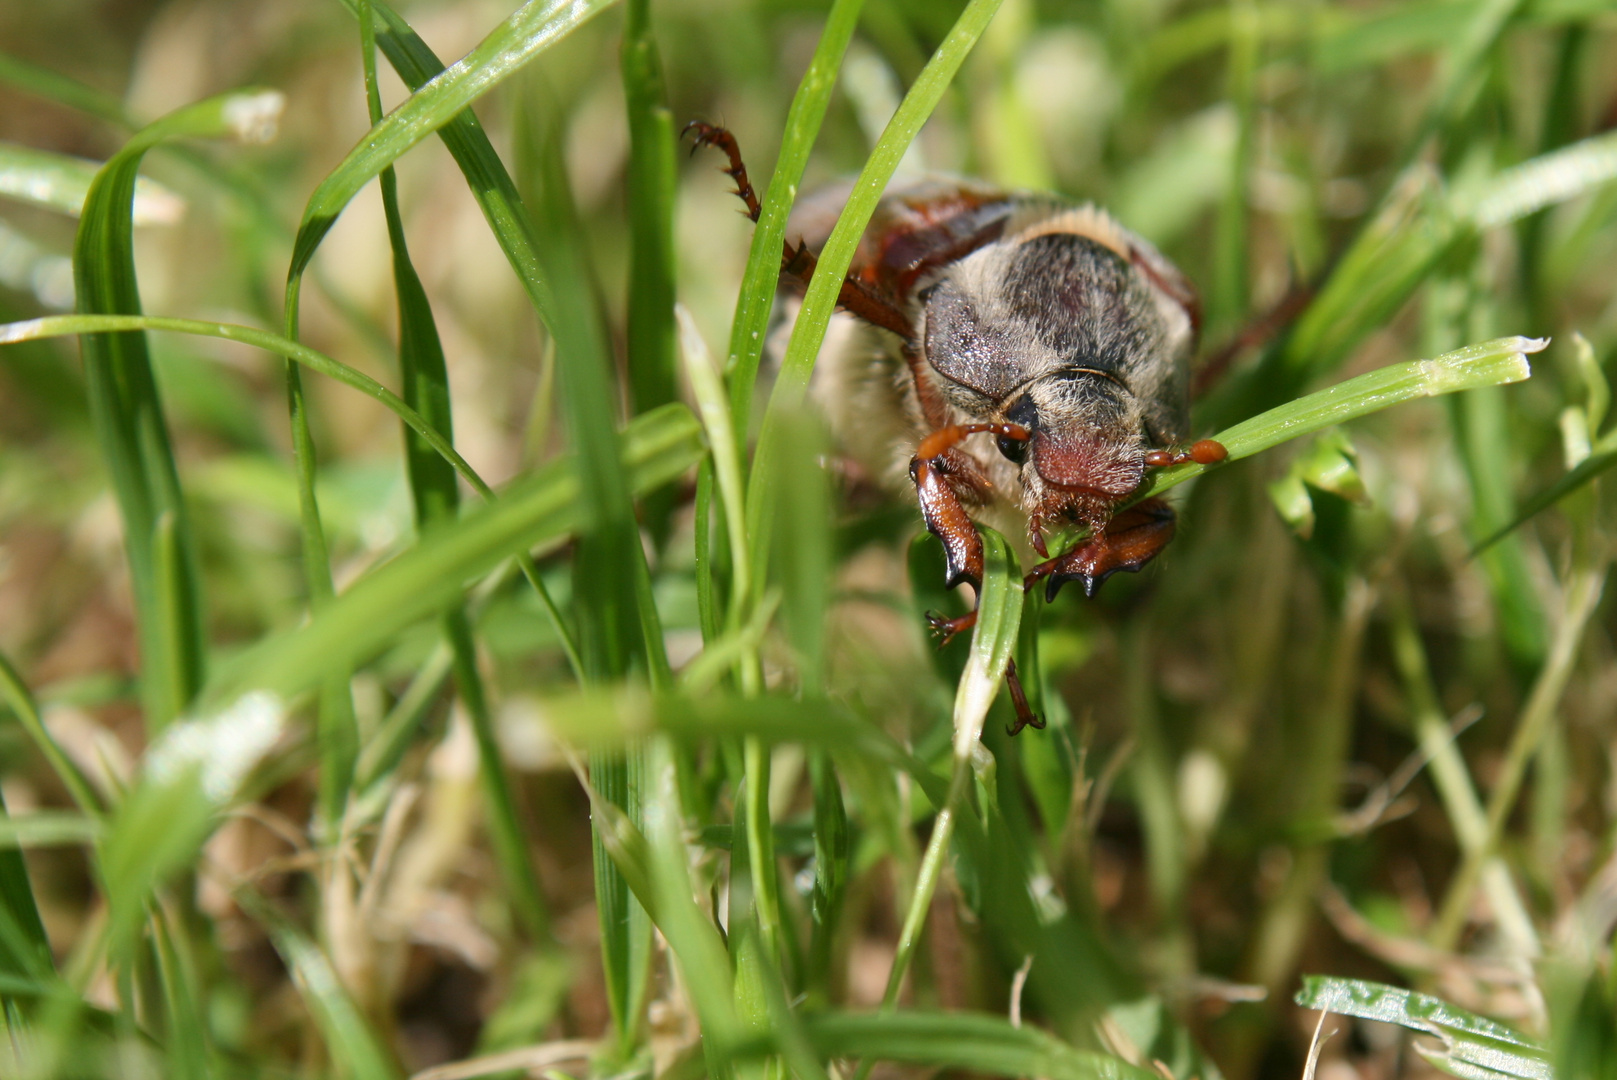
(1469, 1039)
(128, 414)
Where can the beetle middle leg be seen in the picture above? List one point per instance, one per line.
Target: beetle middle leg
(946, 518)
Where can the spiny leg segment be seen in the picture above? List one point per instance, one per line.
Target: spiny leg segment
(947, 519)
(799, 262)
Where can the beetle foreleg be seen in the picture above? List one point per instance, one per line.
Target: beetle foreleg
(1129, 541)
(946, 518)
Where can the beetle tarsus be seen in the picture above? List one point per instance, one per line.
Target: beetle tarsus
(1025, 716)
(720, 139)
(945, 629)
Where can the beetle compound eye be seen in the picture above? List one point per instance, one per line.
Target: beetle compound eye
(1013, 449)
(1023, 413)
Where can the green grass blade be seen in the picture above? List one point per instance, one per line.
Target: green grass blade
(1461, 59)
(652, 183)
(707, 387)
(615, 630)
(46, 828)
(694, 940)
(1231, 258)
(651, 187)
(529, 30)
(60, 182)
(354, 1048)
(505, 826)
(1483, 443)
(605, 603)
(618, 778)
(1544, 181)
(972, 1042)
(424, 377)
(831, 873)
(762, 275)
(598, 719)
(54, 86)
(15, 693)
(185, 1042)
(1488, 363)
(1467, 1037)
(999, 617)
(128, 414)
(191, 772)
(539, 508)
(31, 956)
(486, 176)
(514, 230)
(65, 325)
(803, 562)
(834, 259)
(1584, 473)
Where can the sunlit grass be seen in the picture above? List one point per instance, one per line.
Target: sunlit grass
(691, 794)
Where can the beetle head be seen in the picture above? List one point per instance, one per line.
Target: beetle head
(1086, 453)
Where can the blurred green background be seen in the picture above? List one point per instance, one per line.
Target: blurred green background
(1276, 752)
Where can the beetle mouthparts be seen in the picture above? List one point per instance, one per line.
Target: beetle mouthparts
(1104, 468)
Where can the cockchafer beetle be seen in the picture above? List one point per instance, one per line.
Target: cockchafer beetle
(1022, 360)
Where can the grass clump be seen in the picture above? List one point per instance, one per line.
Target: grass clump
(636, 762)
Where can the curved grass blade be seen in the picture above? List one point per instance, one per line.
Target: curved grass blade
(834, 259)
(1602, 457)
(537, 509)
(128, 414)
(90, 325)
(199, 765)
(1395, 252)
(1469, 1039)
(528, 31)
(60, 182)
(1488, 363)
(585, 367)
(972, 1042)
(424, 376)
(758, 283)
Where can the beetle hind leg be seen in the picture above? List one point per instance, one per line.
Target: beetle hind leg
(798, 262)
